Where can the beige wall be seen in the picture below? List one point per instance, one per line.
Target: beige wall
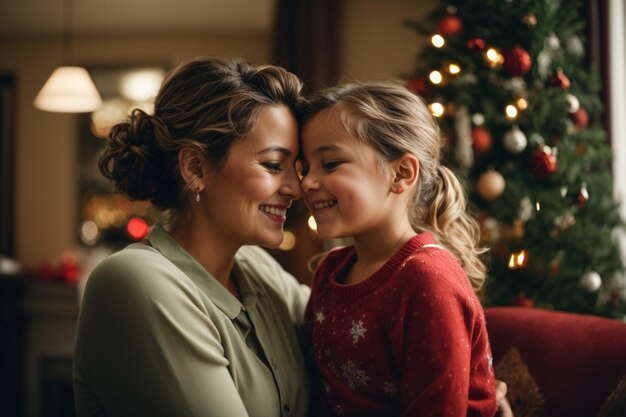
(46, 166)
(374, 44)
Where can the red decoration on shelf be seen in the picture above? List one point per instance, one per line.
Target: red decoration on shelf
(476, 44)
(450, 25)
(45, 272)
(137, 228)
(580, 118)
(560, 80)
(419, 85)
(522, 301)
(69, 270)
(517, 61)
(481, 140)
(543, 162)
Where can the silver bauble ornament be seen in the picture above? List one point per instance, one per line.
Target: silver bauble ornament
(572, 103)
(515, 140)
(591, 281)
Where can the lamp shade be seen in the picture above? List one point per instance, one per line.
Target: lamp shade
(69, 90)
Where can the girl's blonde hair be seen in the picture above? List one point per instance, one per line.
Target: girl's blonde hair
(395, 122)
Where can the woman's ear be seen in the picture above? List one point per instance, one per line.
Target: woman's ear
(191, 163)
(405, 173)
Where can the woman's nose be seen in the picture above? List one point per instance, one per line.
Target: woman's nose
(292, 185)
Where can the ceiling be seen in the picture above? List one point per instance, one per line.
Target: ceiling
(45, 18)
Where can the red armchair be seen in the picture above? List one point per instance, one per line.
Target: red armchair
(576, 360)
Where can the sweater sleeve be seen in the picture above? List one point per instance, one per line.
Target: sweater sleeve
(438, 326)
(145, 345)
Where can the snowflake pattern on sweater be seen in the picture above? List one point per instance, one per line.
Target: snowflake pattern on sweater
(409, 340)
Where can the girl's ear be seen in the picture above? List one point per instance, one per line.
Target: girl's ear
(191, 168)
(405, 173)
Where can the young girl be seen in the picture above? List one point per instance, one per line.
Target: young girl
(396, 327)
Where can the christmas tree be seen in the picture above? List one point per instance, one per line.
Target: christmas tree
(520, 110)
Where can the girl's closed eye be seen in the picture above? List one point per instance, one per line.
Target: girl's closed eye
(331, 165)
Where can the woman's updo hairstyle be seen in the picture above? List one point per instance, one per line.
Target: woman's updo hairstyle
(205, 104)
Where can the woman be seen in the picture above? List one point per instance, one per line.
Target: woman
(191, 322)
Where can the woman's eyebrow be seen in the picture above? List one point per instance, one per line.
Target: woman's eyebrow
(280, 149)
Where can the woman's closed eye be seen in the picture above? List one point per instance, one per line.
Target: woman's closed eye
(272, 166)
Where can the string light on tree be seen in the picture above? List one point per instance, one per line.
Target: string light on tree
(435, 77)
(437, 40)
(493, 57)
(511, 112)
(437, 109)
(518, 260)
(454, 68)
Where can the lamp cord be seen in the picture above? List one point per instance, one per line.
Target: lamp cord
(66, 33)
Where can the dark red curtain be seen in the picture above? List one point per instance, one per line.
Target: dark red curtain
(597, 47)
(307, 40)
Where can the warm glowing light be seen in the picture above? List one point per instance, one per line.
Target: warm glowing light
(494, 57)
(142, 85)
(89, 232)
(518, 259)
(435, 77)
(437, 109)
(69, 90)
(437, 40)
(538, 206)
(137, 228)
(454, 69)
(112, 112)
(511, 112)
(289, 241)
(522, 104)
(312, 224)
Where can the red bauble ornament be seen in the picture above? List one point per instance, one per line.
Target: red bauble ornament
(517, 61)
(583, 196)
(543, 162)
(476, 44)
(419, 85)
(450, 25)
(560, 80)
(522, 301)
(580, 118)
(481, 140)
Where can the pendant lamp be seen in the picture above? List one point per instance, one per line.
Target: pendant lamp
(69, 89)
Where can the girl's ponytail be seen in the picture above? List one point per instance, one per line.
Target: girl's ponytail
(446, 215)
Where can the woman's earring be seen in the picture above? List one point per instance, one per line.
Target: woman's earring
(197, 195)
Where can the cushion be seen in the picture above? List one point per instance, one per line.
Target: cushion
(522, 390)
(615, 405)
(576, 360)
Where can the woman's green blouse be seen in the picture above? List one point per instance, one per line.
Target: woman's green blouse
(159, 336)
